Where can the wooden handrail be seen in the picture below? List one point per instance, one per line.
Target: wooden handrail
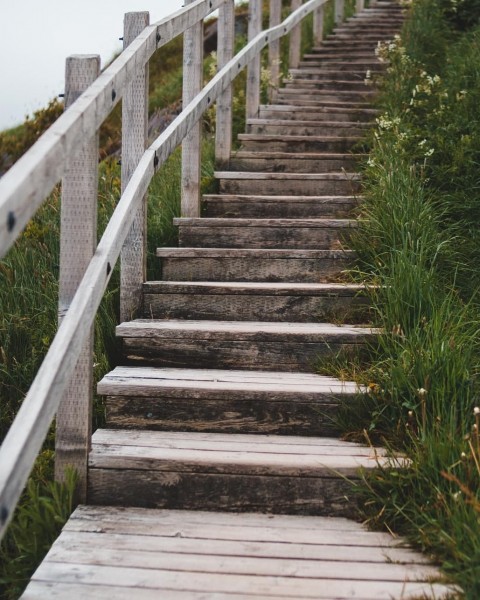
(27, 433)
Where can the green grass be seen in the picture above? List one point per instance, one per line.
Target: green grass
(418, 242)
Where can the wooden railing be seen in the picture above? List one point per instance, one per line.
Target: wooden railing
(69, 151)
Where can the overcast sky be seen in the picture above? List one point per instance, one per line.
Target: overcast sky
(37, 35)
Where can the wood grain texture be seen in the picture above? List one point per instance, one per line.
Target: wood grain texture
(253, 70)
(282, 207)
(231, 264)
(274, 50)
(294, 49)
(133, 258)
(191, 146)
(77, 244)
(223, 129)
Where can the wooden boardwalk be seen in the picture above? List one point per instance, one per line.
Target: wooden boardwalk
(217, 406)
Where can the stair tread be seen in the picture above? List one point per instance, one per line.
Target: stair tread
(131, 380)
(273, 198)
(343, 176)
(194, 328)
(253, 287)
(288, 223)
(232, 453)
(252, 252)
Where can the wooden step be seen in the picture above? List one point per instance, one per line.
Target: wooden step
(278, 207)
(294, 162)
(244, 182)
(247, 264)
(309, 100)
(297, 143)
(325, 84)
(292, 94)
(233, 472)
(106, 553)
(343, 65)
(320, 74)
(251, 301)
(327, 234)
(317, 113)
(255, 345)
(224, 401)
(305, 128)
(340, 53)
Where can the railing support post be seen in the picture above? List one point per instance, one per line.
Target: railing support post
(78, 239)
(339, 11)
(223, 131)
(253, 71)
(191, 146)
(295, 39)
(318, 26)
(274, 50)
(134, 141)
(359, 5)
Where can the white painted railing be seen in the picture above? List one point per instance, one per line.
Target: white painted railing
(69, 150)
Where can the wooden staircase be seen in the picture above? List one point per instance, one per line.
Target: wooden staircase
(218, 406)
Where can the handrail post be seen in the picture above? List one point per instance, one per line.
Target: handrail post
(318, 18)
(225, 42)
(253, 70)
(134, 141)
(295, 39)
(274, 50)
(359, 5)
(339, 11)
(78, 239)
(191, 146)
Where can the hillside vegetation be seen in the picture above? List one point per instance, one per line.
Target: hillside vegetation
(419, 243)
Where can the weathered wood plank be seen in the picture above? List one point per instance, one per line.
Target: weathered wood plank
(223, 129)
(295, 39)
(216, 563)
(292, 551)
(191, 145)
(78, 226)
(274, 50)
(133, 257)
(137, 578)
(238, 493)
(253, 71)
(233, 264)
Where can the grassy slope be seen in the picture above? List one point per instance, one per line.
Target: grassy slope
(420, 242)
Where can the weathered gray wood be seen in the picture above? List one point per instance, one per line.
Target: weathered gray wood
(328, 113)
(253, 71)
(274, 50)
(164, 581)
(286, 207)
(324, 184)
(225, 344)
(227, 302)
(133, 258)
(290, 162)
(180, 545)
(295, 39)
(25, 186)
(77, 245)
(339, 13)
(228, 264)
(318, 18)
(82, 553)
(191, 146)
(223, 131)
(292, 143)
(222, 401)
(265, 233)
